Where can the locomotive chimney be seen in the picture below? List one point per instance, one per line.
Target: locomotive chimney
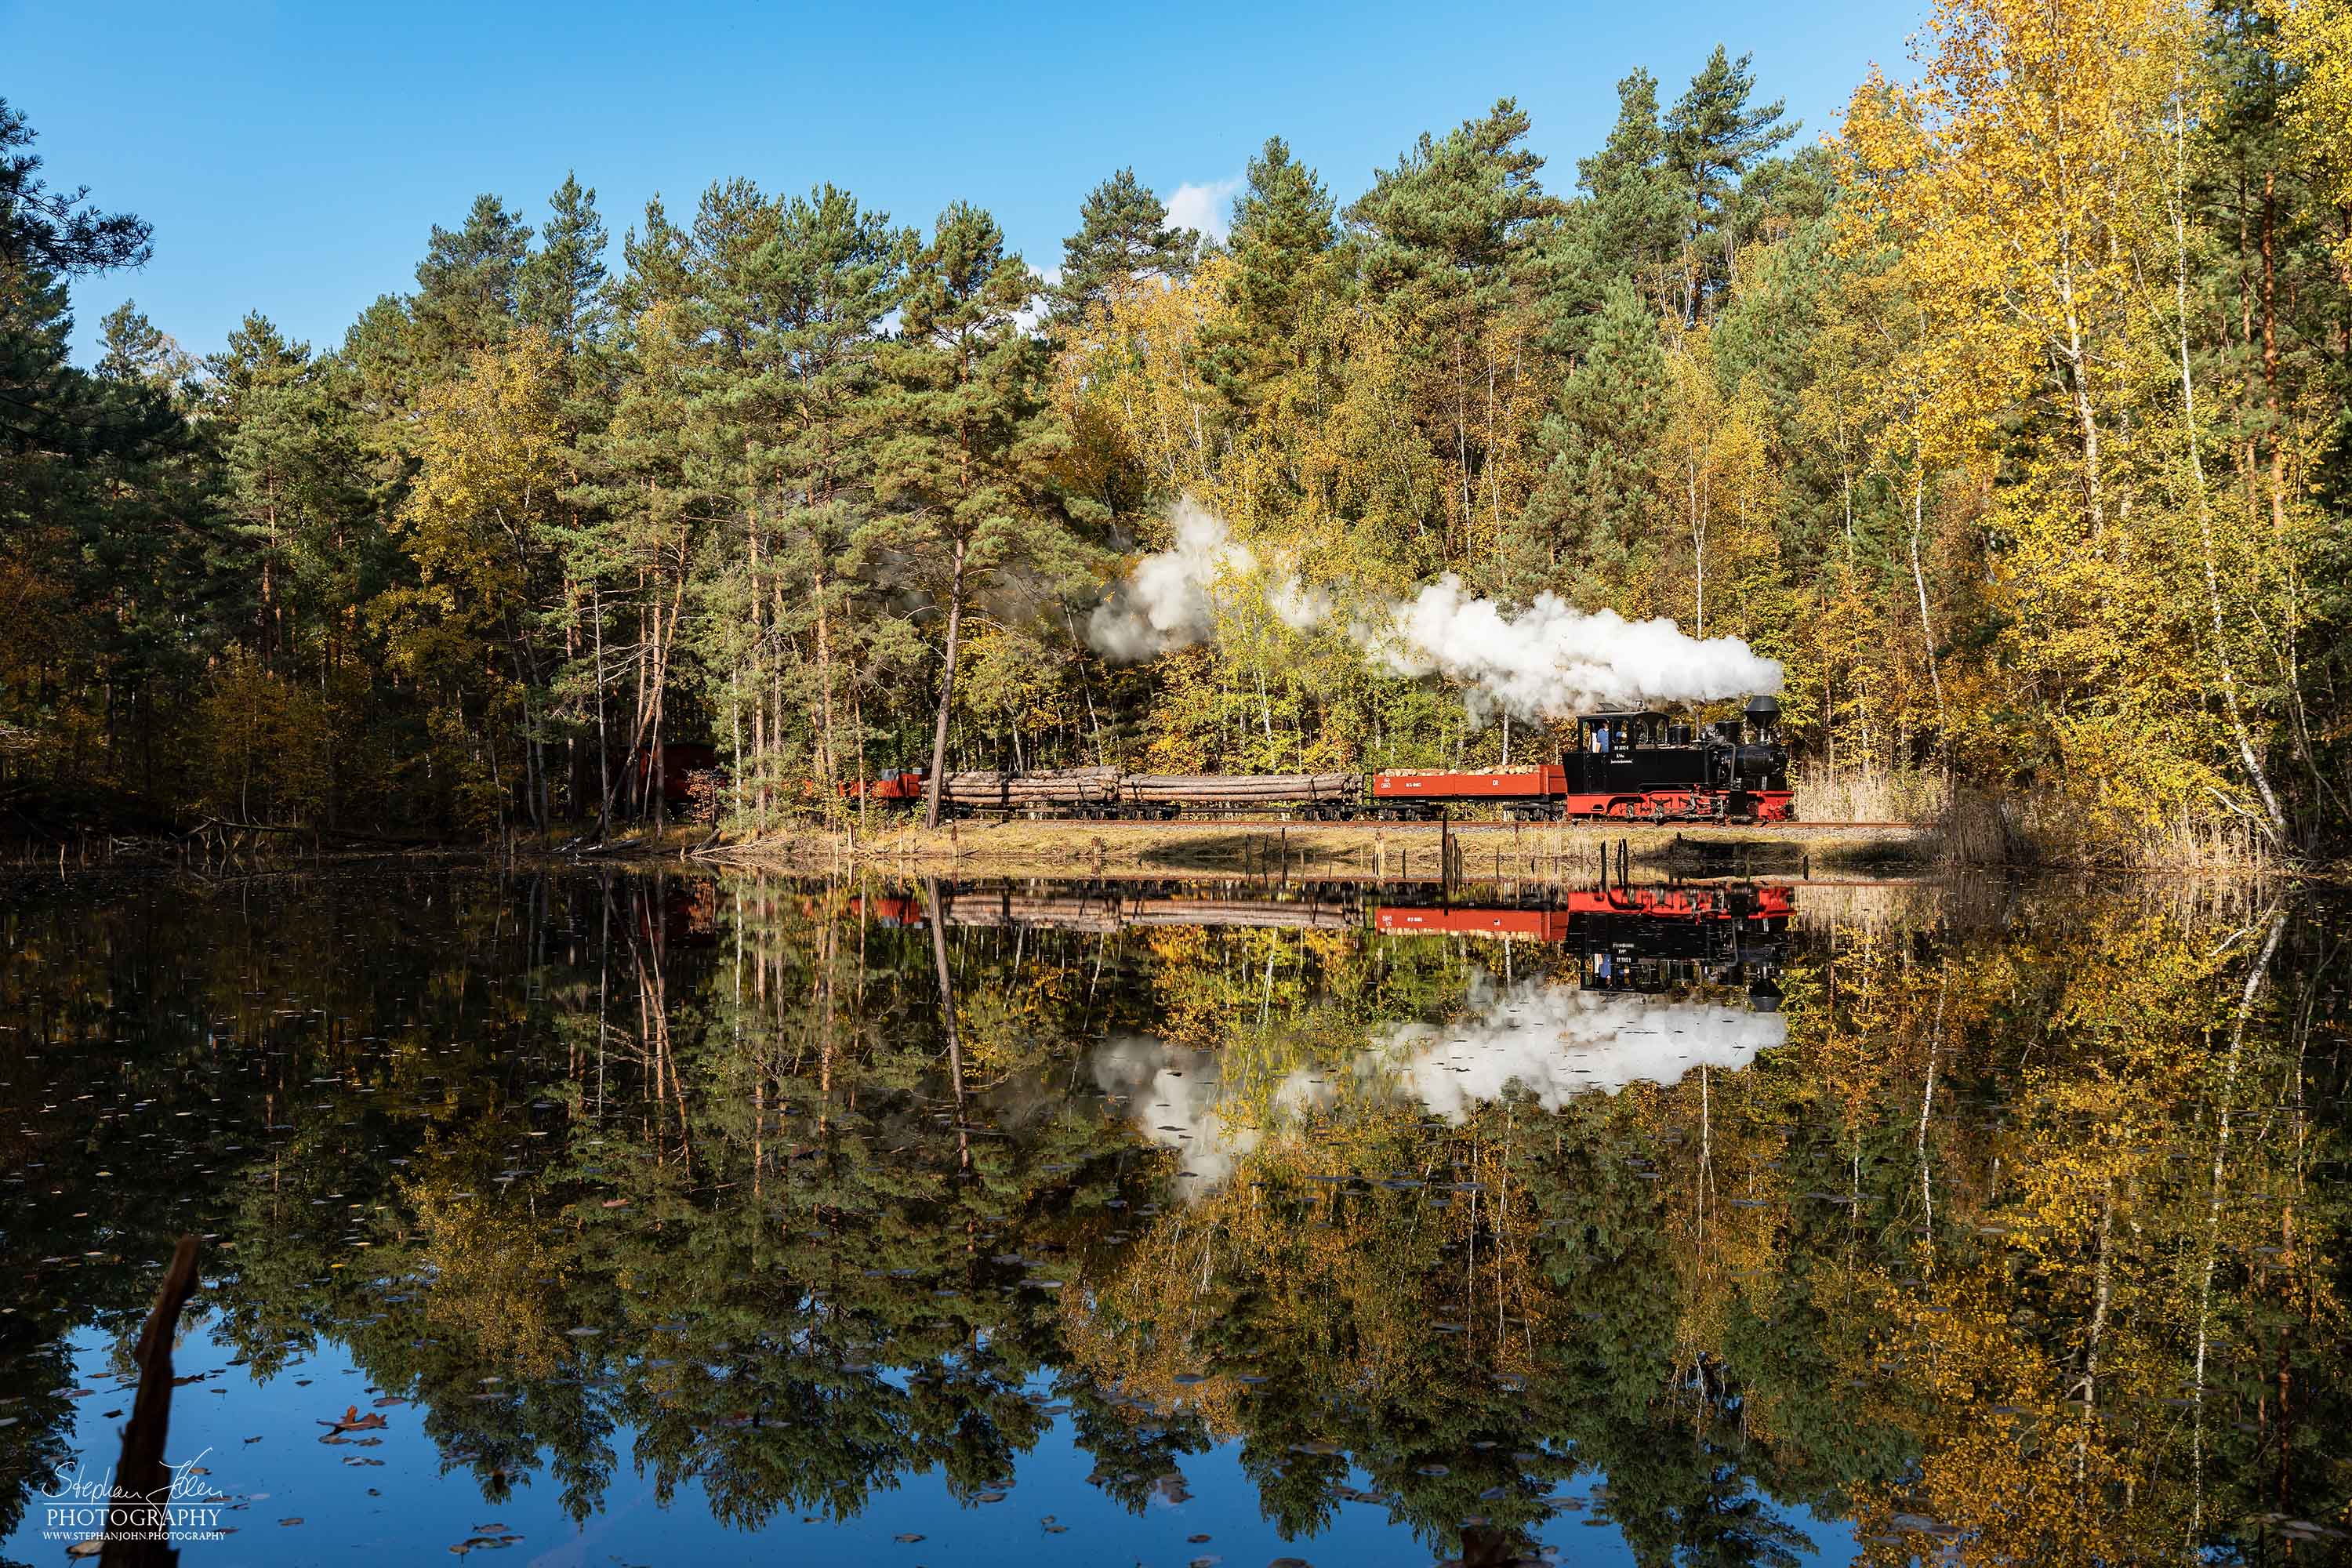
(1762, 711)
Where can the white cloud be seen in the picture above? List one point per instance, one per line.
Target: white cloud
(1029, 316)
(1207, 207)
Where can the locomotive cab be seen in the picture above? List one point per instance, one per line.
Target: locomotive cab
(1632, 751)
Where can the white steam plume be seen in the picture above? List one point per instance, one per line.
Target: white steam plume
(1547, 661)
(1554, 1042)
(1551, 660)
(1169, 600)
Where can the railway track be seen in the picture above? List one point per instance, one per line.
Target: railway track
(1605, 825)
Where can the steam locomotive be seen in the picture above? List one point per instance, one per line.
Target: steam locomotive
(1632, 766)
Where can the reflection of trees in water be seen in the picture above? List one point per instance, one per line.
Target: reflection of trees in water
(559, 1157)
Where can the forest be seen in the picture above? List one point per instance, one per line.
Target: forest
(2008, 414)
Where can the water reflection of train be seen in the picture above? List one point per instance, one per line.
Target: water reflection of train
(1641, 939)
(1647, 939)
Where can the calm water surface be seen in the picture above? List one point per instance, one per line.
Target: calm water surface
(637, 1219)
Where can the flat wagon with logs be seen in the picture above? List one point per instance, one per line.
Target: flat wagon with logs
(1107, 793)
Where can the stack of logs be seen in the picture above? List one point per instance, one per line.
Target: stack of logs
(1238, 789)
(1007, 792)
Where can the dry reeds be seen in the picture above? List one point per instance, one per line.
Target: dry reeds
(1869, 793)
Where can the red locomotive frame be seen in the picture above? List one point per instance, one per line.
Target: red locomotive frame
(1676, 902)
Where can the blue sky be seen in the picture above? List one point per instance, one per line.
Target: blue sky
(294, 158)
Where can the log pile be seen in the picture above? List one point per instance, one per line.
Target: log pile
(1239, 789)
(1106, 786)
(1059, 786)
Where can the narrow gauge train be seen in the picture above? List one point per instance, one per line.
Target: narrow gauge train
(1625, 767)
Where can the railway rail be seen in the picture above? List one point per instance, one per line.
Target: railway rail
(1600, 826)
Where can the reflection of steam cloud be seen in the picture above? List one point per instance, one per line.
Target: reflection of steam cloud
(1171, 1094)
(1556, 1043)
(1553, 1042)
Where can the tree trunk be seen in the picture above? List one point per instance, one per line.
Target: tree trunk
(2078, 371)
(603, 741)
(946, 687)
(2240, 731)
(824, 760)
(1698, 546)
(1919, 583)
(2270, 349)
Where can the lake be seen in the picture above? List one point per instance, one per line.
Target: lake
(626, 1217)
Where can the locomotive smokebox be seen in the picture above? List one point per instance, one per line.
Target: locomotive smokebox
(1763, 711)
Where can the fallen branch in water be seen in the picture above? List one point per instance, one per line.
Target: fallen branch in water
(136, 1519)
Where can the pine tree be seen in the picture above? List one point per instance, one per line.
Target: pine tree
(1629, 224)
(648, 491)
(1280, 253)
(963, 462)
(469, 285)
(134, 349)
(1712, 137)
(291, 467)
(1444, 244)
(52, 231)
(815, 298)
(1123, 236)
(101, 535)
(1590, 523)
(559, 286)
